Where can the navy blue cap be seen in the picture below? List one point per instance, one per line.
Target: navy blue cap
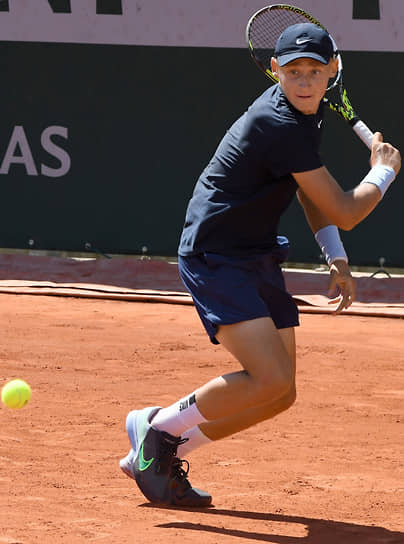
(304, 40)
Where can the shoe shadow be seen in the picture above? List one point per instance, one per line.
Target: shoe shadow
(318, 531)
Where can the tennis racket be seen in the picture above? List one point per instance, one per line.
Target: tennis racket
(262, 32)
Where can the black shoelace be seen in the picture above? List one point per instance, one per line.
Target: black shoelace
(177, 471)
(168, 450)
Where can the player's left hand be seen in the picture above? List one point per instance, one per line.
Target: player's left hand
(341, 278)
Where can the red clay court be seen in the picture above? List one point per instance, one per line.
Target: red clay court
(328, 471)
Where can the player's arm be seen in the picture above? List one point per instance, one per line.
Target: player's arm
(315, 217)
(347, 209)
(328, 238)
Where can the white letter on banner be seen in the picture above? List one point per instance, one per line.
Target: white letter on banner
(56, 151)
(19, 139)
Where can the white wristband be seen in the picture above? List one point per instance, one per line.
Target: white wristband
(330, 244)
(382, 176)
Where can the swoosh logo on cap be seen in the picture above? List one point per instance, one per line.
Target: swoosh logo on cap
(301, 41)
(143, 463)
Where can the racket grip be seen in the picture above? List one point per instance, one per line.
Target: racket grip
(364, 133)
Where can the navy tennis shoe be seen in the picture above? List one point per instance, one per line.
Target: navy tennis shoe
(153, 463)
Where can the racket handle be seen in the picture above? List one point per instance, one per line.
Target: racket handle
(364, 133)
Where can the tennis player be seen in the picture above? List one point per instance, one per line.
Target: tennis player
(230, 255)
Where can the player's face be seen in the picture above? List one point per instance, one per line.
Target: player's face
(304, 82)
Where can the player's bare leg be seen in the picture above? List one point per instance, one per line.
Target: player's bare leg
(221, 428)
(227, 426)
(268, 358)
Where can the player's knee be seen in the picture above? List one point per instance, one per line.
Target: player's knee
(276, 385)
(285, 401)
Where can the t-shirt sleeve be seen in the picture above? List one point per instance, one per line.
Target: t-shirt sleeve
(294, 148)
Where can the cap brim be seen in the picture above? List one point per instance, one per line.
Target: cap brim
(285, 59)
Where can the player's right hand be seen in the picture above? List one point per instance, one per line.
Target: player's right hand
(384, 153)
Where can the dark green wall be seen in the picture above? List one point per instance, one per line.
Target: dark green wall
(142, 122)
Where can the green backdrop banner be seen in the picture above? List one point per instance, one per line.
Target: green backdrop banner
(102, 144)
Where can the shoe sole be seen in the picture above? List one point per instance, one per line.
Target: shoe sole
(126, 465)
(136, 427)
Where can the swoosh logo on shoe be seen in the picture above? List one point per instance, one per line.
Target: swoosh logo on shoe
(143, 463)
(301, 41)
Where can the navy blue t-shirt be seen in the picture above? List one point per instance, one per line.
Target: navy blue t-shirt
(240, 196)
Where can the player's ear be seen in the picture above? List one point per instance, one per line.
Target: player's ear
(334, 66)
(274, 67)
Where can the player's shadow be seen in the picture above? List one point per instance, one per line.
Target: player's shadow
(319, 531)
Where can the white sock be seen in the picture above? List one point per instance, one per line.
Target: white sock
(179, 417)
(196, 439)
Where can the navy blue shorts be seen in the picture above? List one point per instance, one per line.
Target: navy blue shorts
(228, 290)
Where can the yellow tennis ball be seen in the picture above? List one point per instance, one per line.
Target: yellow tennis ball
(16, 394)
